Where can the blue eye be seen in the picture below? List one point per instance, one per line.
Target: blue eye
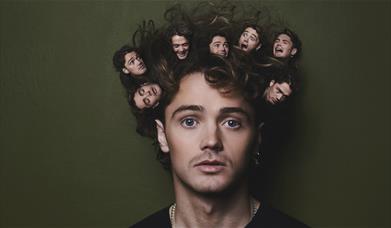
(234, 124)
(189, 123)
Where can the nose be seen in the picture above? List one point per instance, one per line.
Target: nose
(181, 49)
(211, 139)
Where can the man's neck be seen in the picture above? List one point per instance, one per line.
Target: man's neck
(234, 209)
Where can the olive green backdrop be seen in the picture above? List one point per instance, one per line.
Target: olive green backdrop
(69, 156)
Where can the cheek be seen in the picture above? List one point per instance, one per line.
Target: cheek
(239, 146)
(180, 139)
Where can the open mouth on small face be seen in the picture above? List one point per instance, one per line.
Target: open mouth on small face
(182, 55)
(243, 46)
(278, 49)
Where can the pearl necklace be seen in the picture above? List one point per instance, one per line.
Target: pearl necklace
(253, 204)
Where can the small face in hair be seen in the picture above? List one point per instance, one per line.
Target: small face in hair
(277, 92)
(283, 47)
(134, 64)
(249, 40)
(147, 96)
(219, 46)
(180, 46)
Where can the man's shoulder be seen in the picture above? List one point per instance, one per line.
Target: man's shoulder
(160, 218)
(267, 216)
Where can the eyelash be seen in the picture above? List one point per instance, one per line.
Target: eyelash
(226, 123)
(237, 124)
(183, 122)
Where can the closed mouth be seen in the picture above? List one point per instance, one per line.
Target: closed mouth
(210, 163)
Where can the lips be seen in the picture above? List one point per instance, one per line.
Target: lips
(278, 49)
(210, 166)
(141, 67)
(243, 46)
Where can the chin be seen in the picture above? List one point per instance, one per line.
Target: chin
(212, 185)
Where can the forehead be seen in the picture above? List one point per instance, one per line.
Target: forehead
(131, 55)
(284, 37)
(251, 31)
(219, 38)
(138, 99)
(284, 87)
(210, 98)
(176, 39)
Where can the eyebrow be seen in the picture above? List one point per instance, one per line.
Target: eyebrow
(198, 108)
(229, 110)
(183, 108)
(280, 90)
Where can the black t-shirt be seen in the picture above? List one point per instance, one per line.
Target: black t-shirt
(266, 217)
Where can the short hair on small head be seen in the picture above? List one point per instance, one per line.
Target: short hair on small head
(119, 57)
(219, 33)
(285, 74)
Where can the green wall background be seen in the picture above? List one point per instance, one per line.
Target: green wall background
(69, 156)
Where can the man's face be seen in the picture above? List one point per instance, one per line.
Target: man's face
(277, 92)
(180, 46)
(249, 40)
(147, 96)
(209, 136)
(219, 46)
(134, 64)
(283, 47)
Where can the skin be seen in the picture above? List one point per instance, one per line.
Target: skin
(134, 64)
(283, 47)
(219, 46)
(147, 96)
(180, 46)
(209, 138)
(249, 40)
(277, 92)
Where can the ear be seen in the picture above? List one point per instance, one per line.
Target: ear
(125, 70)
(293, 52)
(161, 136)
(271, 84)
(259, 46)
(259, 132)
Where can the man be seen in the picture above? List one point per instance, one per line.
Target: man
(250, 38)
(209, 131)
(283, 82)
(179, 36)
(219, 45)
(147, 96)
(286, 46)
(277, 92)
(128, 61)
